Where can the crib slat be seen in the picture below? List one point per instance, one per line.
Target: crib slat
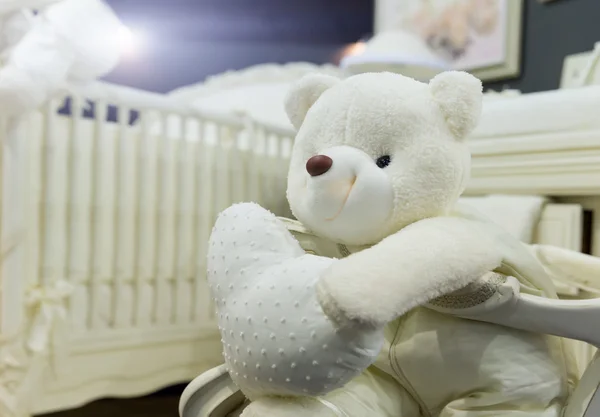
(197, 226)
(138, 155)
(251, 163)
(274, 192)
(49, 126)
(178, 166)
(183, 222)
(254, 163)
(13, 168)
(115, 276)
(78, 215)
(236, 175)
(123, 222)
(100, 251)
(207, 210)
(147, 219)
(223, 178)
(69, 182)
(263, 167)
(55, 265)
(164, 255)
(242, 153)
(36, 168)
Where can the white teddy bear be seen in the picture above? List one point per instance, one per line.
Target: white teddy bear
(377, 167)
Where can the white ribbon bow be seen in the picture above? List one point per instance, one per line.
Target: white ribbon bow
(46, 333)
(48, 329)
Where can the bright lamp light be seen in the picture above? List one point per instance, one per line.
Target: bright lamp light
(130, 41)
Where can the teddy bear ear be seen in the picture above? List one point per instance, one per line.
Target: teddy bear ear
(459, 95)
(304, 93)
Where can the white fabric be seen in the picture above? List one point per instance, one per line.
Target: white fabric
(10, 6)
(13, 26)
(544, 112)
(91, 30)
(449, 366)
(257, 91)
(72, 41)
(276, 339)
(263, 102)
(336, 410)
(518, 215)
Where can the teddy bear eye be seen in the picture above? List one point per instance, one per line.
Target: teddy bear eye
(383, 161)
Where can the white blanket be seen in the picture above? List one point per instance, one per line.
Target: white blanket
(72, 41)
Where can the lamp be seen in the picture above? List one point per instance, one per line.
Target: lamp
(397, 51)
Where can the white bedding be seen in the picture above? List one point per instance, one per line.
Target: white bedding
(262, 102)
(257, 91)
(549, 111)
(525, 114)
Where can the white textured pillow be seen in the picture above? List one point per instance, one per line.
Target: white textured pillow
(276, 338)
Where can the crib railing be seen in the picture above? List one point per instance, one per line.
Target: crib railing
(110, 221)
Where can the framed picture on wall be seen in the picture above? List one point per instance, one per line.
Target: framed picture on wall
(479, 36)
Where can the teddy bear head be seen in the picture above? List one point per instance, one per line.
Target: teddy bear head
(376, 152)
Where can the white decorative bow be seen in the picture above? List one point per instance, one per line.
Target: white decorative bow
(48, 329)
(8, 401)
(46, 332)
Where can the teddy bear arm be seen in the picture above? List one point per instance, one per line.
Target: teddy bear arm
(421, 262)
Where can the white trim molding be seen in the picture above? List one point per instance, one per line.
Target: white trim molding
(555, 164)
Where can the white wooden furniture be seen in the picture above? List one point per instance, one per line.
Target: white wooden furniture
(257, 92)
(103, 239)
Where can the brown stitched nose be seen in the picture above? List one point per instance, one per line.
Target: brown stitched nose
(318, 165)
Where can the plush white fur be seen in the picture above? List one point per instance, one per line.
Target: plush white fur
(420, 248)
(420, 251)
(427, 259)
(421, 128)
(458, 98)
(303, 95)
(359, 119)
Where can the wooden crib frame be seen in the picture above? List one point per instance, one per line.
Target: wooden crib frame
(104, 228)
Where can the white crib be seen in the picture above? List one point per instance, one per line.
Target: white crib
(104, 231)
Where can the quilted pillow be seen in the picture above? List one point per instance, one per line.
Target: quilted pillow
(276, 338)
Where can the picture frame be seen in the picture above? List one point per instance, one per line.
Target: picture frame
(511, 66)
(489, 49)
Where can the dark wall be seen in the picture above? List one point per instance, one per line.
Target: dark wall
(188, 40)
(552, 31)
